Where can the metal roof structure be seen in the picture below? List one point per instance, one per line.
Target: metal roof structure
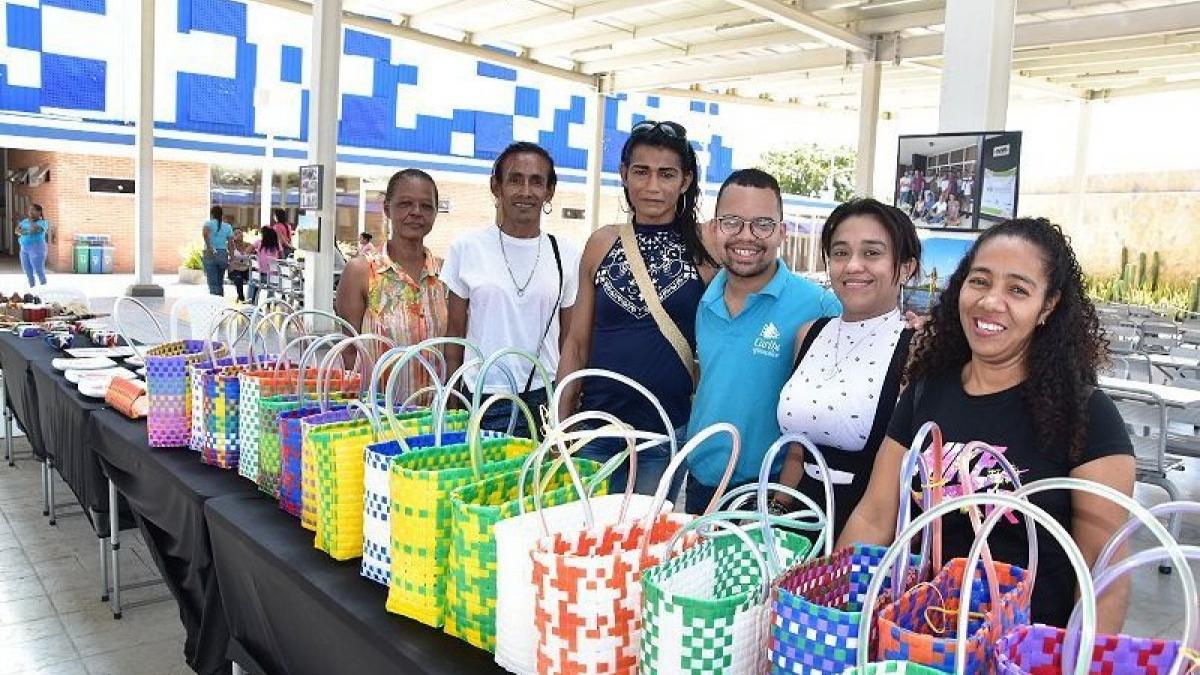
(803, 52)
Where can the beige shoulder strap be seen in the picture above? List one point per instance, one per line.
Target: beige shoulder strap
(666, 325)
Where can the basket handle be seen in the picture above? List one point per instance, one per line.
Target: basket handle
(326, 369)
(633, 384)
(259, 320)
(356, 405)
(557, 437)
(1137, 511)
(224, 318)
(475, 428)
(310, 353)
(914, 466)
(294, 319)
(664, 485)
(1104, 579)
(736, 498)
(116, 312)
(1122, 535)
(398, 362)
(443, 403)
(282, 363)
(267, 309)
(764, 479)
(397, 358)
(1010, 501)
(493, 360)
(566, 461)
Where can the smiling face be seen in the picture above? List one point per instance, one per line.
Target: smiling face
(412, 208)
(742, 253)
(862, 268)
(655, 179)
(1004, 298)
(522, 187)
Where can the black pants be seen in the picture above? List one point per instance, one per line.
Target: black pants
(239, 279)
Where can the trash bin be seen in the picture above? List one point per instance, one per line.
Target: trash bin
(95, 259)
(108, 253)
(83, 246)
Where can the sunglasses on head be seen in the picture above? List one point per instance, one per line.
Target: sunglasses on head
(670, 129)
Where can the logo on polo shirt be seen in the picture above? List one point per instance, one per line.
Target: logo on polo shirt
(767, 342)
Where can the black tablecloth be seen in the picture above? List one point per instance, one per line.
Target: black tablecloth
(70, 436)
(167, 488)
(16, 353)
(292, 609)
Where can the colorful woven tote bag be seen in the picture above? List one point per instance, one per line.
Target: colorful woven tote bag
(818, 605)
(588, 596)
(475, 509)
(169, 422)
(259, 383)
(1038, 649)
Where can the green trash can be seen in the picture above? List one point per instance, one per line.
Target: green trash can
(83, 254)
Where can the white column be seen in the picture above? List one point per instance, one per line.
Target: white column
(143, 238)
(595, 165)
(264, 197)
(868, 129)
(1083, 134)
(362, 205)
(322, 147)
(977, 65)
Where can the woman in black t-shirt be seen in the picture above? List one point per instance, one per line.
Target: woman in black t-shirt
(1009, 357)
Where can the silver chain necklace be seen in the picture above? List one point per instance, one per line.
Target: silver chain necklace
(838, 358)
(520, 287)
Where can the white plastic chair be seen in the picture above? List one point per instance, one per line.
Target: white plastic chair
(199, 312)
(62, 295)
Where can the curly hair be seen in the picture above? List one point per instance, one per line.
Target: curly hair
(1063, 355)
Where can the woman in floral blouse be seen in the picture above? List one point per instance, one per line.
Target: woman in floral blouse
(397, 292)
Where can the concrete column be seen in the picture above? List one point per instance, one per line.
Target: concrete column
(362, 205)
(1083, 135)
(143, 239)
(264, 196)
(868, 129)
(595, 164)
(322, 147)
(977, 65)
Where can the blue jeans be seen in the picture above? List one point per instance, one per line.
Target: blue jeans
(496, 417)
(214, 270)
(33, 261)
(651, 464)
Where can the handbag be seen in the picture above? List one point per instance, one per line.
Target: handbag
(128, 397)
(169, 387)
(588, 592)
(1038, 649)
(259, 383)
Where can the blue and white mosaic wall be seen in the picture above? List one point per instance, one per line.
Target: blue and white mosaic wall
(229, 70)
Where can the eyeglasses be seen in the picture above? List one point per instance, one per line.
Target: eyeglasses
(670, 129)
(761, 228)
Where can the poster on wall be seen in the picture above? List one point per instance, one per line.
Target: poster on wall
(941, 252)
(308, 232)
(958, 181)
(1001, 155)
(310, 186)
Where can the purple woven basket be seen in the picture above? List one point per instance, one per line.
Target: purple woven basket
(169, 421)
(1037, 650)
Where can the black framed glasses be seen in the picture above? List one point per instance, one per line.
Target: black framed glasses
(761, 228)
(672, 129)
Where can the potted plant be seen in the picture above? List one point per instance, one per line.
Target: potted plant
(191, 267)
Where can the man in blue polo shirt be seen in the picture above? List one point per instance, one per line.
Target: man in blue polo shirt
(746, 331)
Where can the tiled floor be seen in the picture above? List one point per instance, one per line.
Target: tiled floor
(53, 623)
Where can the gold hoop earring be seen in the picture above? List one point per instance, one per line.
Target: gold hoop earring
(547, 208)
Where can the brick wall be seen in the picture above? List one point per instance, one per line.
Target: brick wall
(181, 201)
(181, 198)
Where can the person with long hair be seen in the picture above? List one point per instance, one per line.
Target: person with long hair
(614, 328)
(1009, 357)
(283, 231)
(846, 373)
(32, 234)
(267, 252)
(513, 285)
(240, 252)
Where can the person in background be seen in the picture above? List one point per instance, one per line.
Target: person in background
(397, 291)
(746, 329)
(240, 252)
(1009, 357)
(918, 186)
(846, 376)
(32, 233)
(283, 232)
(365, 247)
(267, 252)
(217, 234)
(613, 327)
(937, 213)
(513, 285)
(953, 216)
(905, 189)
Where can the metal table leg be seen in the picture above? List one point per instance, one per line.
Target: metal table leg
(114, 535)
(45, 488)
(8, 435)
(50, 490)
(103, 568)
(238, 670)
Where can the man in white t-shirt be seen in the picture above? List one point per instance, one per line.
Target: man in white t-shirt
(513, 286)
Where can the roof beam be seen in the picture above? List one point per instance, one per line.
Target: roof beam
(701, 95)
(809, 24)
(1133, 63)
(729, 70)
(1142, 90)
(560, 18)
(1107, 47)
(704, 48)
(1031, 66)
(1117, 73)
(689, 24)
(383, 27)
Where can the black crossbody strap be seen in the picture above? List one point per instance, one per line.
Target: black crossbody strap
(553, 312)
